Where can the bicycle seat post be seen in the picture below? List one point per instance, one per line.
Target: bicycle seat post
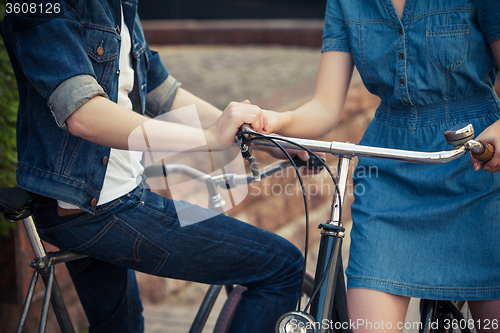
(16, 205)
(35, 241)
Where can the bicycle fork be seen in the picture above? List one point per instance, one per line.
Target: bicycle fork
(329, 304)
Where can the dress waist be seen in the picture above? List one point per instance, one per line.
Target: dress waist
(459, 110)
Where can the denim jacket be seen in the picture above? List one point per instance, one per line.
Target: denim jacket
(435, 56)
(62, 60)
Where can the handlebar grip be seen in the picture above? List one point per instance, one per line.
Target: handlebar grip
(487, 153)
(312, 163)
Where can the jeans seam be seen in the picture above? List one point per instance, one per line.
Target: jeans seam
(96, 238)
(136, 257)
(169, 218)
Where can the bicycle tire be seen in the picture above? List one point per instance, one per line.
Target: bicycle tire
(229, 308)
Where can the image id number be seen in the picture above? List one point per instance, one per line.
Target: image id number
(33, 8)
(485, 324)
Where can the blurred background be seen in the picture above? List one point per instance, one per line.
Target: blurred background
(267, 51)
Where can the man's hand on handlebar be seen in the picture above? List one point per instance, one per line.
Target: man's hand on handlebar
(222, 133)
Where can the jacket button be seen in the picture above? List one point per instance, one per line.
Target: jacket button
(401, 56)
(105, 160)
(93, 202)
(402, 81)
(100, 50)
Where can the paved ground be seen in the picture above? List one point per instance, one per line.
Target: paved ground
(220, 74)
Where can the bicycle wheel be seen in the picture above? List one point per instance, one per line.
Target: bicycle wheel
(229, 308)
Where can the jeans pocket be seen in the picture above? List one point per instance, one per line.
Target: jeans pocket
(119, 243)
(447, 45)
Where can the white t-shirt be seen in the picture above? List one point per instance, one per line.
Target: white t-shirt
(124, 167)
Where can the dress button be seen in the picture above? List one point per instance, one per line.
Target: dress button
(402, 81)
(93, 202)
(100, 50)
(105, 160)
(401, 55)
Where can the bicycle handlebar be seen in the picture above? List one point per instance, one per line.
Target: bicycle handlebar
(485, 151)
(347, 149)
(481, 150)
(223, 180)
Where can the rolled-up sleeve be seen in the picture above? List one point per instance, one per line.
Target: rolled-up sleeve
(51, 52)
(488, 12)
(160, 99)
(335, 36)
(70, 95)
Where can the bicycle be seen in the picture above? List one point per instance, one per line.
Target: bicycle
(328, 301)
(16, 205)
(327, 290)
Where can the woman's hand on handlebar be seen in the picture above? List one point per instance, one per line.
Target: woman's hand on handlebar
(222, 133)
(492, 136)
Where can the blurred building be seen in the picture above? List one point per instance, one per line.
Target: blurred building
(230, 9)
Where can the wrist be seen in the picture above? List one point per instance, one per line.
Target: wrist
(210, 137)
(284, 121)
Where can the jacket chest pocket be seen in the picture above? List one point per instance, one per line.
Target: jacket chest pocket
(103, 49)
(447, 45)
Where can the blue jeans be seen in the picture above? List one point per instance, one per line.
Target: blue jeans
(140, 231)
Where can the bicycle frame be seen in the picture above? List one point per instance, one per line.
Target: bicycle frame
(330, 257)
(43, 266)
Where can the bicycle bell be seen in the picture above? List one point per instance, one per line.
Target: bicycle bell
(459, 134)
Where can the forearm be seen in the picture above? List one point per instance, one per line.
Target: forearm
(103, 122)
(310, 120)
(207, 113)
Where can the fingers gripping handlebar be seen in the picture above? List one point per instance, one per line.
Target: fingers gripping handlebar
(486, 153)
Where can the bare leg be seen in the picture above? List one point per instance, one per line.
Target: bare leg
(486, 315)
(376, 311)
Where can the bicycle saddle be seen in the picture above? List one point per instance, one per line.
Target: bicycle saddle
(15, 203)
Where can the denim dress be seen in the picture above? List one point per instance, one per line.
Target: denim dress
(426, 231)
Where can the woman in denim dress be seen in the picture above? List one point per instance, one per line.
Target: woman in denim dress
(425, 231)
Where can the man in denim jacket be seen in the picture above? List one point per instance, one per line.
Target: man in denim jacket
(71, 66)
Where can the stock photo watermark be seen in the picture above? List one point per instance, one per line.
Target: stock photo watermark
(320, 186)
(198, 177)
(190, 166)
(447, 324)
